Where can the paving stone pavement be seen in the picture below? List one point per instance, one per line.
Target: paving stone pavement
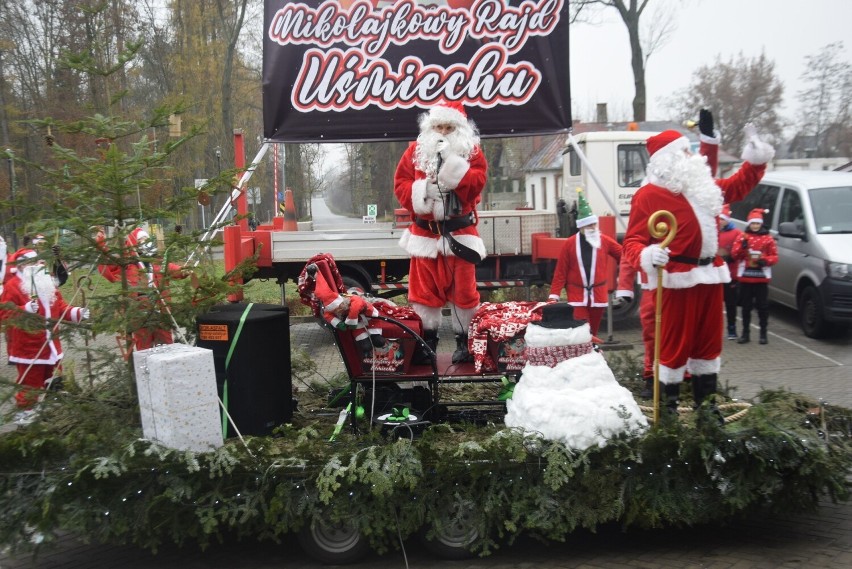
(821, 369)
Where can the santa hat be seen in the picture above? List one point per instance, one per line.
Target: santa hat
(22, 255)
(445, 112)
(668, 141)
(584, 212)
(329, 297)
(726, 212)
(140, 241)
(756, 215)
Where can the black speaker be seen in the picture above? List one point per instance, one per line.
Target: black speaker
(256, 387)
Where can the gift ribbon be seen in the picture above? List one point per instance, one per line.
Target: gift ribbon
(228, 363)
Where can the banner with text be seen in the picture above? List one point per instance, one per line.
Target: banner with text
(359, 70)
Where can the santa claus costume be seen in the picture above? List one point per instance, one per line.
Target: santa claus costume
(754, 254)
(35, 352)
(439, 179)
(349, 312)
(567, 392)
(681, 183)
(152, 324)
(582, 269)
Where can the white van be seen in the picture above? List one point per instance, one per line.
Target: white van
(810, 218)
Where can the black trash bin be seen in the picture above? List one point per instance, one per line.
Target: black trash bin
(257, 385)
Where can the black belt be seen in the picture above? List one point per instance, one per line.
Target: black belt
(691, 260)
(444, 227)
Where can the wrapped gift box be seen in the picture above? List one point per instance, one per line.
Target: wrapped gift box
(178, 401)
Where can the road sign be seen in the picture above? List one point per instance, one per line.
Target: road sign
(372, 210)
(369, 219)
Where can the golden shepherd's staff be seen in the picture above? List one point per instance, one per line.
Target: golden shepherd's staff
(665, 230)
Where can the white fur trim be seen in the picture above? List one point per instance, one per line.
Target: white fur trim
(335, 321)
(553, 297)
(351, 321)
(647, 265)
(676, 145)
(709, 228)
(364, 334)
(421, 200)
(419, 246)
(703, 367)
(671, 376)
(452, 172)
(586, 221)
(431, 316)
(707, 274)
(334, 303)
(374, 331)
(758, 152)
(715, 140)
(624, 294)
(537, 336)
(442, 115)
(461, 317)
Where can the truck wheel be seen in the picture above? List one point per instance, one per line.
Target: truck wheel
(811, 315)
(453, 531)
(333, 543)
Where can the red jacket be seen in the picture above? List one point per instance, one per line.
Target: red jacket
(40, 347)
(755, 253)
(571, 275)
(727, 237)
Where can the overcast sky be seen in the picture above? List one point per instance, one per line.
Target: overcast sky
(787, 30)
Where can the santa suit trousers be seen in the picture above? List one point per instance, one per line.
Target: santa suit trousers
(591, 314)
(434, 282)
(691, 331)
(31, 378)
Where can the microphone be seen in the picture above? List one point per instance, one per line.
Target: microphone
(440, 147)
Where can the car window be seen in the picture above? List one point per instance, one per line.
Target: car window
(832, 209)
(791, 209)
(763, 196)
(632, 160)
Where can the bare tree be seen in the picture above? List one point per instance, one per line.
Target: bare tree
(738, 91)
(825, 101)
(655, 34)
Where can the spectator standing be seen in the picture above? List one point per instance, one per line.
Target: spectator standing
(755, 253)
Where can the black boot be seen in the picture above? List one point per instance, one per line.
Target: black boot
(461, 354)
(703, 386)
(648, 389)
(745, 338)
(672, 392)
(423, 356)
(365, 345)
(763, 338)
(704, 389)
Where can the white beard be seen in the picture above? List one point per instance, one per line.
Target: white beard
(689, 175)
(35, 277)
(593, 237)
(461, 142)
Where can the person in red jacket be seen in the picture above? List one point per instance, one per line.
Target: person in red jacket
(693, 274)
(581, 269)
(34, 350)
(728, 235)
(141, 274)
(755, 253)
(440, 179)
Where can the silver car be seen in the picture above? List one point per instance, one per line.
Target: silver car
(810, 218)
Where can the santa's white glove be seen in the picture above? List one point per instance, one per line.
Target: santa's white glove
(659, 256)
(85, 314)
(441, 146)
(755, 150)
(432, 190)
(31, 306)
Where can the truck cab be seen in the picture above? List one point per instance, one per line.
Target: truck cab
(618, 159)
